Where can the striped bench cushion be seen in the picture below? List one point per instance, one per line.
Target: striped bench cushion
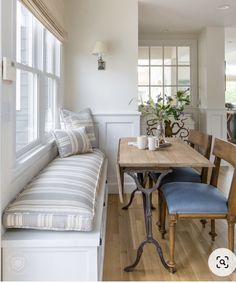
(62, 197)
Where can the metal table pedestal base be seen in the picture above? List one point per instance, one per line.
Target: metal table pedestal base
(147, 205)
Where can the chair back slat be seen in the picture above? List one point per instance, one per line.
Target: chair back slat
(201, 142)
(215, 172)
(232, 196)
(224, 150)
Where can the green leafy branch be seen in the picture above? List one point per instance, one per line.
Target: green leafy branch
(164, 110)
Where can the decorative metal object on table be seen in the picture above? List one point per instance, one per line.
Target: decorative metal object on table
(160, 113)
(177, 128)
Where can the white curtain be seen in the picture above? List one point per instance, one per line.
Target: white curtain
(45, 16)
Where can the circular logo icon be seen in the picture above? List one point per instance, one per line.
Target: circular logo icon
(222, 262)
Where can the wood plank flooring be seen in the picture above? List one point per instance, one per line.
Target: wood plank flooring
(125, 231)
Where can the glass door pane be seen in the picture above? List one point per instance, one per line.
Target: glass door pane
(143, 56)
(156, 55)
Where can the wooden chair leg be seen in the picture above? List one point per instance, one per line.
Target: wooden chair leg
(213, 230)
(160, 200)
(172, 219)
(163, 219)
(231, 223)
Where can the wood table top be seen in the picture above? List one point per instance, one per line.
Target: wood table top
(179, 154)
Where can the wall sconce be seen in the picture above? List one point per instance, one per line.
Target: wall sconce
(99, 50)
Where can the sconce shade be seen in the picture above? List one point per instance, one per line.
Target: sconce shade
(100, 48)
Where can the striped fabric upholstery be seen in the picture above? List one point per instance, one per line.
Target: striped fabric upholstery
(62, 197)
(70, 142)
(71, 120)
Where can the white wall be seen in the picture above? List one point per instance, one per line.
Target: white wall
(211, 68)
(1, 163)
(211, 58)
(112, 21)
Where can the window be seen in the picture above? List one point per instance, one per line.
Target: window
(37, 84)
(26, 114)
(230, 94)
(163, 70)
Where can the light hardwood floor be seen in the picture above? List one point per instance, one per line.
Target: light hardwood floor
(125, 231)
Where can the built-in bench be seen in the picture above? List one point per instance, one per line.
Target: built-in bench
(45, 255)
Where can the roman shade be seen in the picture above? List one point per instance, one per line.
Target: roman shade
(40, 10)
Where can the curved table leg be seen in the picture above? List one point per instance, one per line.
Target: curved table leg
(147, 205)
(141, 180)
(131, 200)
(138, 257)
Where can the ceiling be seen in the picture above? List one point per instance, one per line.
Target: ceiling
(185, 16)
(189, 17)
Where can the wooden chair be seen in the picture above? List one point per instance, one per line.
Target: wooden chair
(202, 201)
(202, 143)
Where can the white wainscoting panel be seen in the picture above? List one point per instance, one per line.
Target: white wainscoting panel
(214, 122)
(110, 127)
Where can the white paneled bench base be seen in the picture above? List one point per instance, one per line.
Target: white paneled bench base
(32, 255)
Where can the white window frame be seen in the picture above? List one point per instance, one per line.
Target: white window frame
(193, 62)
(41, 73)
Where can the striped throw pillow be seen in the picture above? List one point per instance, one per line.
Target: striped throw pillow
(71, 120)
(71, 142)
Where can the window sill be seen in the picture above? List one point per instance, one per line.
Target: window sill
(27, 160)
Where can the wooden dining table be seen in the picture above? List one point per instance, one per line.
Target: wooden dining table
(138, 163)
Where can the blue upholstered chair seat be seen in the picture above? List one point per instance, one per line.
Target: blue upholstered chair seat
(194, 198)
(182, 174)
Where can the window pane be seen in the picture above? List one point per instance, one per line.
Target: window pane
(184, 75)
(49, 105)
(156, 92)
(170, 55)
(143, 56)
(38, 31)
(143, 75)
(230, 92)
(156, 55)
(58, 57)
(184, 55)
(170, 91)
(24, 41)
(143, 93)
(49, 53)
(26, 111)
(156, 76)
(170, 75)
